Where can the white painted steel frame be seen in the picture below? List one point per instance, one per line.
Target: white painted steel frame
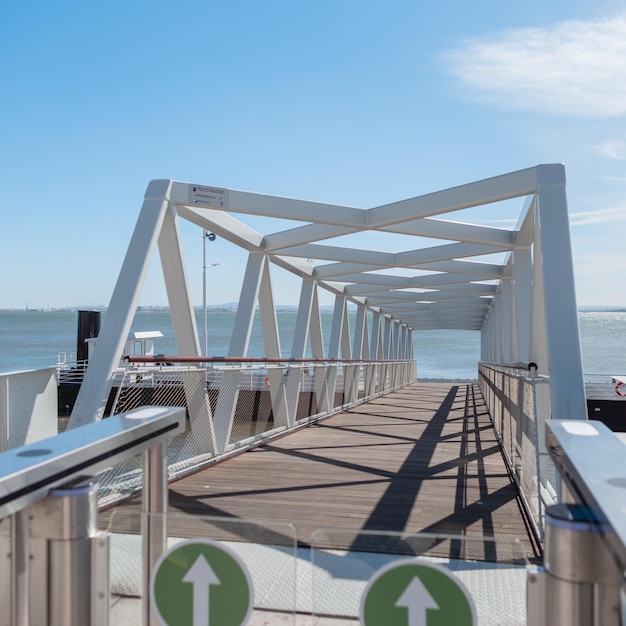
(525, 306)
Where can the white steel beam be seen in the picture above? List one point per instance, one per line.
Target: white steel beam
(177, 287)
(185, 328)
(420, 297)
(239, 341)
(487, 191)
(336, 253)
(267, 312)
(246, 307)
(224, 225)
(247, 203)
(442, 278)
(479, 271)
(322, 397)
(452, 291)
(507, 320)
(563, 338)
(359, 332)
(423, 227)
(335, 344)
(94, 390)
(303, 319)
(454, 231)
(447, 252)
(522, 286)
(271, 343)
(298, 347)
(305, 234)
(411, 258)
(315, 328)
(473, 269)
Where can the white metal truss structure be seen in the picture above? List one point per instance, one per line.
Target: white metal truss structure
(524, 304)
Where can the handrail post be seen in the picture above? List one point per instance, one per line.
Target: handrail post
(19, 569)
(66, 577)
(582, 581)
(55, 565)
(585, 548)
(154, 532)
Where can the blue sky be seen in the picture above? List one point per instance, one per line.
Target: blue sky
(350, 102)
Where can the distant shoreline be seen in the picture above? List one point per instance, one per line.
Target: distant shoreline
(232, 307)
(602, 309)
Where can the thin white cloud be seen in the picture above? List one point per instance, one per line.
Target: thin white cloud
(601, 216)
(613, 149)
(574, 68)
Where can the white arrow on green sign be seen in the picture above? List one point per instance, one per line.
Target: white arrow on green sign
(201, 583)
(411, 592)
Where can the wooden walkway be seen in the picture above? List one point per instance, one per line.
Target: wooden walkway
(421, 459)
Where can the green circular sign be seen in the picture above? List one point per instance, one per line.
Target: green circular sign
(411, 592)
(201, 583)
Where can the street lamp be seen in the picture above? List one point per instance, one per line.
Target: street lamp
(211, 237)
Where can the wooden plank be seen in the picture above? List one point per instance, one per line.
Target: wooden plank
(421, 459)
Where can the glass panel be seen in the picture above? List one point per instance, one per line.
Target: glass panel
(267, 550)
(345, 563)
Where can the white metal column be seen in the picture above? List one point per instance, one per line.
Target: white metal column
(94, 390)
(317, 350)
(177, 286)
(271, 342)
(185, 328)
(562, 333)
(239, 341)
(339, 314)
(298, 348)
(507, 321)
(522, 283)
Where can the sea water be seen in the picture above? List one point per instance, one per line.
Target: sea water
(37, 339)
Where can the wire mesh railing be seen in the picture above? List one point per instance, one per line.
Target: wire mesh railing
(235, 405)
(71, 372)
(513, 393)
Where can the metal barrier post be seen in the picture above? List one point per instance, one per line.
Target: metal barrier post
(19, 585)
(14, 579)
(154, 533)
(64, 538)
(53, 562)
(5, 572)
(582, 581)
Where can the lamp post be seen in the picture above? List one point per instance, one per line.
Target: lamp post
(211, 237)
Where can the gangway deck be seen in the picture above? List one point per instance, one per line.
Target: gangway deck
(424, 458)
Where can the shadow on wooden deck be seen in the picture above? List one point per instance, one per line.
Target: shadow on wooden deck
(423, 459)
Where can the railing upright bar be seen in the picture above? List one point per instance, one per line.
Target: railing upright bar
(585, 542)
(19, 569)
(540, 505)
(48, 495)
(154, 534)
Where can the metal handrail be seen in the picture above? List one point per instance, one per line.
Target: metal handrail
(161, 358)
(585, 549)
(590, 458)
(518, 365)
(50, 469)
(28, 473)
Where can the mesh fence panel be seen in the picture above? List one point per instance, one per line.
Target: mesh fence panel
(528, 434)
(234, 407)
(510, 395)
